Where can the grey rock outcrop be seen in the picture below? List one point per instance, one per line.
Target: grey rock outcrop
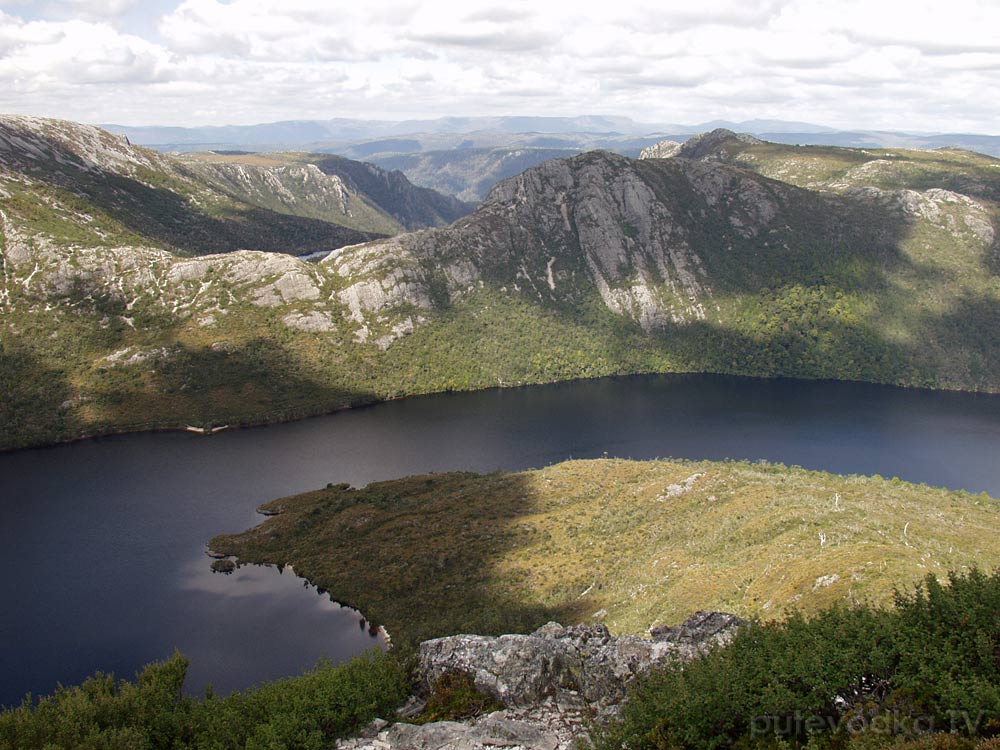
(661, 150)
(514, 669)
(587, 659)
(551, 682)
(699, 630)
(501, 729)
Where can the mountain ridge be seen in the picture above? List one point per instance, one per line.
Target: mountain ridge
(131, 194)
(754, 258)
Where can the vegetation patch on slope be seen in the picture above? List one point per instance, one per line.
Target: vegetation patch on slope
(635, 544)
(922, 675)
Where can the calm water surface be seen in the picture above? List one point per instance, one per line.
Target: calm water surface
(103, 541)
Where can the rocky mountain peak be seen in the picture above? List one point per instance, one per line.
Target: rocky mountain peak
(34, 141)
(566, 229)
(707, 144)
(661, 150)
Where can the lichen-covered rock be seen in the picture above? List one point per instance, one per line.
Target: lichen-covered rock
(553, 682)
(514, 669)
(500, 729)
(701, 630)
(522, 669)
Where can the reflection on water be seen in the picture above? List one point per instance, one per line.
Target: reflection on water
(104, 540)
(272, 605)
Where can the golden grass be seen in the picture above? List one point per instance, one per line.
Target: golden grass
(250, 160)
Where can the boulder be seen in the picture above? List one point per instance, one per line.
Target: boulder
(514, 669)
(700, 631)
(519, 670)
(553, 683)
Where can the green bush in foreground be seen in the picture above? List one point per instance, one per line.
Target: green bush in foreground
(151, 713)
(924, 675)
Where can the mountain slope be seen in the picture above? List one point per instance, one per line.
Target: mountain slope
(357, 195)
(589, 266)
(728, 269)
(411, 206)
(80, 184)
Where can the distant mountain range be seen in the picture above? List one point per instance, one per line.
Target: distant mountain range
(466, 156)
(409, 136)
(732, 255)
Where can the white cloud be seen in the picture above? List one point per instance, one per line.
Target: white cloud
(75, 52)
(100, 9)
(860, 63)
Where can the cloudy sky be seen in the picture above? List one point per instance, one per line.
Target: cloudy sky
(916, 65)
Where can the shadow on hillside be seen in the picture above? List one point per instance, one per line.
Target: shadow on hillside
(810, 287)
(843, 242)
(412, 206)
(250, 383)
(158, 212)
(32, 395)
(425, 556)
(972, 326)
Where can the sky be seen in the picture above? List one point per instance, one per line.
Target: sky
(874, 64)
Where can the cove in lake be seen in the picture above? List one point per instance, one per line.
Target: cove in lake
(103, 540)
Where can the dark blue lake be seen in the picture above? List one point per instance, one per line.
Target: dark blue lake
(104, 540)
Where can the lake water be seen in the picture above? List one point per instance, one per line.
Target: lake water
(104, 540)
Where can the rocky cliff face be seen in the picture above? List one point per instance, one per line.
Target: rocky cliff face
(631, 232)
(551, 683)
(661, 150)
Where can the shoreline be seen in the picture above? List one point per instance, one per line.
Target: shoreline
(251, 423)
(380, 630)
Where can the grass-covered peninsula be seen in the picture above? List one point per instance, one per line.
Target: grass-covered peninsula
(633, 544)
